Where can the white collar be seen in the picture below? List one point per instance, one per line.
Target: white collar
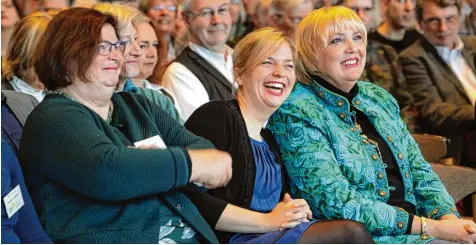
(202, 51)
(21, 86)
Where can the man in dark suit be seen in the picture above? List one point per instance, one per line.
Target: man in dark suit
(16, 107)
(440, 72)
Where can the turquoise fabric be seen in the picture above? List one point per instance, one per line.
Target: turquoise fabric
(333, 168)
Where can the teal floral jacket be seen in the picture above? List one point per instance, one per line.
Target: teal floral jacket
(334, 168)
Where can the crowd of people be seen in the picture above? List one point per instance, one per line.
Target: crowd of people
(234, 121)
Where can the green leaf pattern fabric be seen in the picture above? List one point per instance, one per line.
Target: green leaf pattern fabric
(331, 166)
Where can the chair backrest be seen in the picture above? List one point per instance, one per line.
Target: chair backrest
(433, 148)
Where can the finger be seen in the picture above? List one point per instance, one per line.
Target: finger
(299, 203)
(297, 216)
(470, 228)
(287, 198)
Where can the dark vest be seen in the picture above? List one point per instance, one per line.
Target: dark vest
(217, 86)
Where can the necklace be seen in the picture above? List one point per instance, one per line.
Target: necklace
(109, 112)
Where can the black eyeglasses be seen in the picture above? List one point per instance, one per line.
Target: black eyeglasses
(160, 7)
(208, 13)
(435, 22)
(105, 47)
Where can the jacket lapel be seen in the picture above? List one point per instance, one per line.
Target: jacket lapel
(447, 72)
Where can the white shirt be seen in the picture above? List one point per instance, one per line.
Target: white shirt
(186, 87)
(163, 91)
(454, 58)
(21, 86)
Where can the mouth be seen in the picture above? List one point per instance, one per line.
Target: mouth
(352, 62)
(163, 21)
(132, 62)
(276, 87)
(111, 68)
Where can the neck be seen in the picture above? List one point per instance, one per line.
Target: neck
(254, 118)
(166, 37)
(389, 31)
(342, 86)
(138, 82)
(6, 34)
(97, 104)
(120, 85)
(220, 49)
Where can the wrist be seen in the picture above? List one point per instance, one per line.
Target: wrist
(432, 227)
(267, 224)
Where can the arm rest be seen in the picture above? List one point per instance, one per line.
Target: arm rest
(432, 147)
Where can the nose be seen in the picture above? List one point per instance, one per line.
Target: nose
(216, 18)
(443, 25)
(117, 56)
(278, 70)
(151, 53)
(135, 49)
(351, 47)
(409, 5)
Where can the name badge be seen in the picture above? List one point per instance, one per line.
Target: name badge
(152, 141)
(13, 201)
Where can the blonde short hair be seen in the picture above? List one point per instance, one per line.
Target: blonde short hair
(313, 33)
(124, 15)
(23, 42)
(257, 46)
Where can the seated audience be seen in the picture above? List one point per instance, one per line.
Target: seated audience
(11, 14)
(382, 66)
(16, 107)
(260, 17)
(345, 148)
(128, 19)
(18, 72)
(238, 18)
(287, 14)
(468, 26)
(397, 29)
(89, 178)
(20, 223)
(204, 70)
(264, 70)
(149, 45)
(440, 72)
(164, 14)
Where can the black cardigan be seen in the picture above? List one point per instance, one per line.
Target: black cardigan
(222, 123)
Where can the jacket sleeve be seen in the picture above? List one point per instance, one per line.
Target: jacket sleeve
(442, 115)
(65, 145)
(432, 198)
(316, 176)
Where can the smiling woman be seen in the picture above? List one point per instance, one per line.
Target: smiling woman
(264, 70)
(345, 148)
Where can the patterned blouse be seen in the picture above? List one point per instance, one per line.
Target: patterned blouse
(335, 169)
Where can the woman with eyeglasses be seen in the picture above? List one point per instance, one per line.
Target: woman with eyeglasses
(105, 166)
(128, 21)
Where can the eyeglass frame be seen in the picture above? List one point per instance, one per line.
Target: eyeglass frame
(211, 12)
(116, 46)
(435, 22)
(170, 7)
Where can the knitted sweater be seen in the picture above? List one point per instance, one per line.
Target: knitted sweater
(89, 186)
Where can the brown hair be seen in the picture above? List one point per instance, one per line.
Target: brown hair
(256, 47)
(23, 42)
(440, 3)
(69, 46)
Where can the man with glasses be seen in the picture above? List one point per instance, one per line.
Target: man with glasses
(204, 70)
(397, 30)
(287, 14)
(440, 71)
(164, 14)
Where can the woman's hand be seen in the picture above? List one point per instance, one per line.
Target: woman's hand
(455, 230)
(287, 214)
(210, 167)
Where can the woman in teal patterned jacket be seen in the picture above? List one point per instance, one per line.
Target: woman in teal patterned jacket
(347, 151)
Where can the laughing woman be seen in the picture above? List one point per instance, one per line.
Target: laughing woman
(264, 71)
(346, 149)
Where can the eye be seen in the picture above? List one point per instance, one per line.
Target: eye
(358, 37)
(143, 46)
(223, 10)
(206, 13)
(290, 66)
(336, 40)
(267, 62)
(155, 45)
